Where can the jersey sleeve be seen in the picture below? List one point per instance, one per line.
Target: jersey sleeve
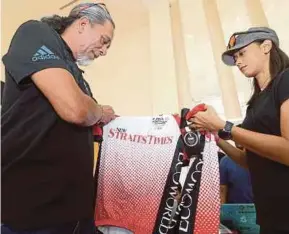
(34, 47)
(223, 171)
(283, 88)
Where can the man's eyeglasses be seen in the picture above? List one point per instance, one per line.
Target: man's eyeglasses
(233, 38)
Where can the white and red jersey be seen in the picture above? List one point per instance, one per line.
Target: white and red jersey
(139, 174)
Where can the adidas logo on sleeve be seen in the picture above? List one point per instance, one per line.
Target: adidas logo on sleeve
(43, 53)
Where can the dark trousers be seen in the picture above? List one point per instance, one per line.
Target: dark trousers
(82, 227)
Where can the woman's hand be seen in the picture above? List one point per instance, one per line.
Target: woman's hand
(207, 120)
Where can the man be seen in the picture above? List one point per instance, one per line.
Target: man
(235, 181)
(2, 88)
(47, 118)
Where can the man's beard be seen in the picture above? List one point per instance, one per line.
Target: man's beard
(83, 60)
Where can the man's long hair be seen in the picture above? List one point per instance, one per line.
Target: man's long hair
(96, 14)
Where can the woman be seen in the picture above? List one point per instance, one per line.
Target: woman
(265, 130)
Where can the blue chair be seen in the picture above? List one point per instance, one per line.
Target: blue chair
(240, 218)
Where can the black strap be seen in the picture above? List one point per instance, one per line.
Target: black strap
(184, 220)
(181, 222)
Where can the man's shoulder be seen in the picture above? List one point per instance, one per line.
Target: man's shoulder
(225, 161)
(34, 26)
(30, 23)
(228, 164)
(36, 33)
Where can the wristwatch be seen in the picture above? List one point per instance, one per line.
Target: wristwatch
(226, 132)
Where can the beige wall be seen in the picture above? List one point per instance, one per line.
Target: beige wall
(166, 54)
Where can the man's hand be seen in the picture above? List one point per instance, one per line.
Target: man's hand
(107, 114)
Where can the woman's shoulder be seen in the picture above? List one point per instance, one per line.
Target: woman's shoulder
(281, 86)
(281, 79)
(283, 74)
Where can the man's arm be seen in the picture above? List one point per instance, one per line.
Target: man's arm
(223, 193)
(69, 102)
(51, 75)
(235, 154)
(224, 179)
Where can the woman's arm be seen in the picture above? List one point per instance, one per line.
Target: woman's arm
(272, 147)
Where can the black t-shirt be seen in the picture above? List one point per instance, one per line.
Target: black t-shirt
(270, 179)
(47, 163)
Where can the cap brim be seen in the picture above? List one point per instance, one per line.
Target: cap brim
(228, 59)
(228, 56)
